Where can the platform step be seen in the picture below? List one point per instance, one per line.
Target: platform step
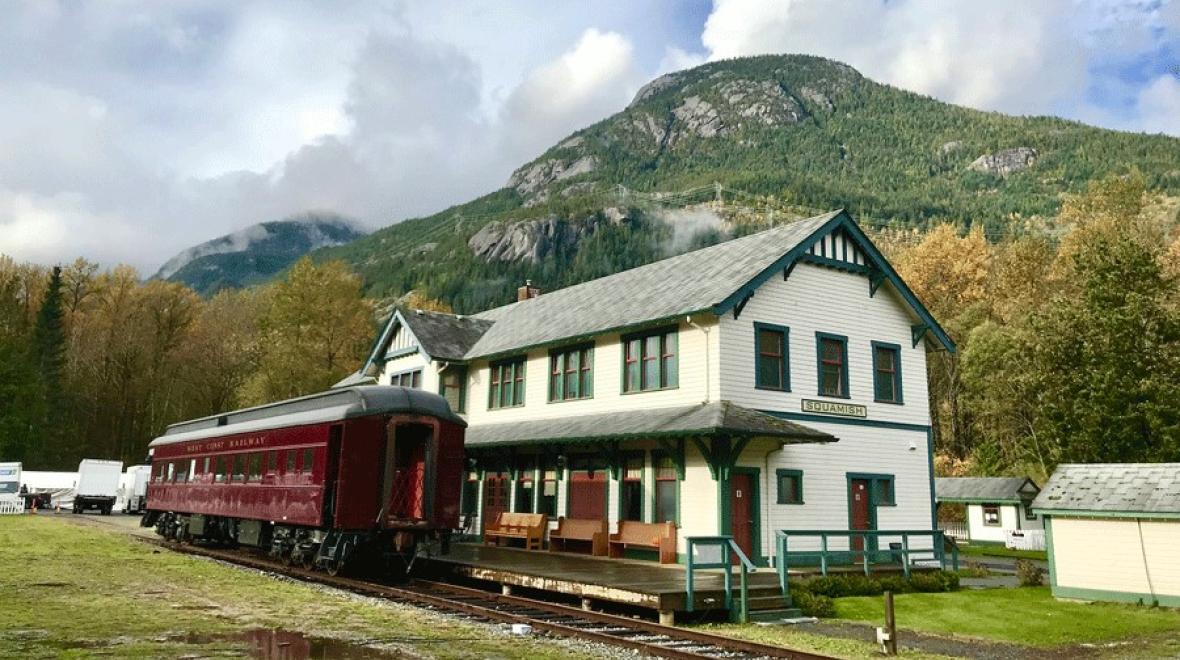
(775, 616)
(775, 602)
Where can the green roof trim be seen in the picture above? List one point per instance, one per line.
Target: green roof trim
(841, 220)
(1098, 513)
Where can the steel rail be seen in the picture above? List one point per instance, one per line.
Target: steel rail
(647, 637)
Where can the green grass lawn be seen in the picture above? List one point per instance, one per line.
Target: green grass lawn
(797, 638)
(75, 591)
(1000, 551)
(1028, 616)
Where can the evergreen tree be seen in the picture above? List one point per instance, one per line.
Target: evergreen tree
(49, 358)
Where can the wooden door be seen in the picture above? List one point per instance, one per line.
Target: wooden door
(860, 508)
(587, 494)
(495, 496)
(741, 511)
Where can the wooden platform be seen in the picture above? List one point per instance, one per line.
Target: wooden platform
(644, 584)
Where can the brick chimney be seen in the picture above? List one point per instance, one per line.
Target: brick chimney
(527, 291)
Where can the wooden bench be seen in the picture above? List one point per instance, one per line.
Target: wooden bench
(530, 527)
(660, 537)
(581, 532)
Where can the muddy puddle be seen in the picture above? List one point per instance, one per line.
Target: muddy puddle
(288, 645)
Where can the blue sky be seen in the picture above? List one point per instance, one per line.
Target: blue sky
(132, 129)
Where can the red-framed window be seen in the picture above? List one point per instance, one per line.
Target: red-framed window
(571, 374)
(650, 361)
(667, 489)
(506, 384)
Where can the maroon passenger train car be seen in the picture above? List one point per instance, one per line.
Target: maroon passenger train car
(326, 480)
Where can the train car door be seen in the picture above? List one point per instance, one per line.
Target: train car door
(332, 473)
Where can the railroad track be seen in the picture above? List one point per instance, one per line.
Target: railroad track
(647, 637)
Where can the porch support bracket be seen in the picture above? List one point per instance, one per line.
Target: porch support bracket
(721, 453)
(674, 449)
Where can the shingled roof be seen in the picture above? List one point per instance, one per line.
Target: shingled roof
(1013, 490)
(702, 419)
(714, 279)
(1117, 489)
(445, 336)
(691, 282)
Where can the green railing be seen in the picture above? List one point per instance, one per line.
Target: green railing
(869, 555)
(719, 549)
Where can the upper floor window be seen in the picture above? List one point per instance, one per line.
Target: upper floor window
(452, 386)
(886, 372)
(771, 362)
(407, 379)
(649, 361)
(833, 364)
(571, 374)
(506, 384)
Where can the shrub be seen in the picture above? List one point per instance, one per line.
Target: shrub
(1029, 574)
(840, 586)
(934, 581)
(816, 605)
(895, 583)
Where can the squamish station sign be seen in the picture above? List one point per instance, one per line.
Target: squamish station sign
(833, 408)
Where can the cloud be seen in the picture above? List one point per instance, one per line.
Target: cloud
(1159, 106)
(389, 128)
(590, 81)
(1008, 55)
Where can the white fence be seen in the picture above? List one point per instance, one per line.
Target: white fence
(955, 530)
(1024, 539)
(11, 505)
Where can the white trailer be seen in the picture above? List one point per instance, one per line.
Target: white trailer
(10, 498)
(133, 488)
(97, 486)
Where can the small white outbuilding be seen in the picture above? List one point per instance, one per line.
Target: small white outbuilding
(1113, 531)
(996, 506)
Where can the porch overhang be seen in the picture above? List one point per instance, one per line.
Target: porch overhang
(718, 419)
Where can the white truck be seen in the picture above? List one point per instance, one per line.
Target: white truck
(97, 486)
(133, 488)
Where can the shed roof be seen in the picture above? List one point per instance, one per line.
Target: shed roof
(985, 489)
(1114, 489)
(332, 405)
(702, 419)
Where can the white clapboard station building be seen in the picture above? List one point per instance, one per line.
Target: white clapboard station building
(772, 382)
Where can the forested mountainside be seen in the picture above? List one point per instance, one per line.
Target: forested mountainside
(257, 253)
(779, 133)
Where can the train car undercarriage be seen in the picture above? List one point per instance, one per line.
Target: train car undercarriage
(388, 552)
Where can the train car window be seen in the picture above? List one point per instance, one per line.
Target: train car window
(272, 462)
(308, 457)
(192, 470)
(220, 476)
(255, 467)
(171, 471)
(205, 468)
(157, 471)
(290, 462)
(178, 474)
(239, 471)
